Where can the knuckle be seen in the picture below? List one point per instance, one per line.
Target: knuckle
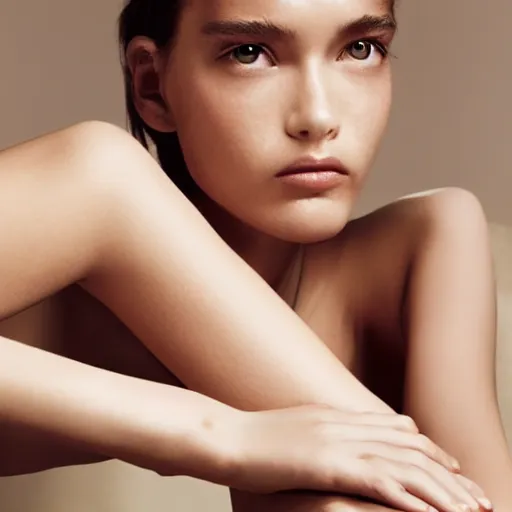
(408, 423)
(377, 482)
(324, 430)
(426, 445)
(413, 473)
(469, 484)
(419, 459)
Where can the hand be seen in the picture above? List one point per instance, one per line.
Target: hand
(379, 456)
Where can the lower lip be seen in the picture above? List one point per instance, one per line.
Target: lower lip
(317, 181)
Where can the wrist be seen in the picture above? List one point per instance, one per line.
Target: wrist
(161, 428)
(173, 431)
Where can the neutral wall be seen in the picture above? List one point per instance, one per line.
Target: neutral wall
(451, 125)
(452, 122)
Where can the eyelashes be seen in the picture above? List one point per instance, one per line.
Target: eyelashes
(248, 54)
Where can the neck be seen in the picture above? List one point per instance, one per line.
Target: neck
(268, 256)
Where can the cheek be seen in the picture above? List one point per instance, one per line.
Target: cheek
(220, 126)
(384, 100)
(369, 118)
(229, 124)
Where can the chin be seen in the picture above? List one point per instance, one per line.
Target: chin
(311, 228)
(312, 235)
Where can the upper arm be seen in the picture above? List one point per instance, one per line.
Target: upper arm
(55, 201)
(382, 249)
(451, 331)
(448, 293)
(451, 265)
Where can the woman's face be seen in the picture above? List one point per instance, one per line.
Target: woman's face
(255, 85)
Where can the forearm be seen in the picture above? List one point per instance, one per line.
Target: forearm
(112, 220)
(106, 414)
(213, 321)
(205, 313)
(140, 247)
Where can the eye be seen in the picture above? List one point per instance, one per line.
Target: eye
(360, 50)
(247, 54)
(363, 50)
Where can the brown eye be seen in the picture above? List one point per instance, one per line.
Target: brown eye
(360, 50)
(247, 53)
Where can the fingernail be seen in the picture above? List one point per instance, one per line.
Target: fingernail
(485, 503)
(455, 465)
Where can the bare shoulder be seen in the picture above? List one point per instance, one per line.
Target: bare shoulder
(87, 148)
(400, 226)
(103, 137)
(95, 132)
(72, 137)
(356, 283)
(409, 216)
(370, 259)
(107, 150)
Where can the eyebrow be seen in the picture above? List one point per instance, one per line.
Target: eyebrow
(266, 28)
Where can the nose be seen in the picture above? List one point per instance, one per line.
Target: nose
(312, 117)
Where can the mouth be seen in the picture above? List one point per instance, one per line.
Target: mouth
(311, 164)
(315, 176)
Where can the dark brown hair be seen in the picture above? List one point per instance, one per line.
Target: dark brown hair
(157, 20)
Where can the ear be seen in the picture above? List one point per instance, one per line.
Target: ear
(145, 63)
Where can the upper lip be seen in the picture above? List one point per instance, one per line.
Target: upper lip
(312, 164)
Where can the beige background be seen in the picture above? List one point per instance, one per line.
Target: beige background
(452, 125)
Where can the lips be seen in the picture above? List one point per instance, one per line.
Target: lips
(310, 164)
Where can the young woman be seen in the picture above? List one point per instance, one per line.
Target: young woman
(228, 275)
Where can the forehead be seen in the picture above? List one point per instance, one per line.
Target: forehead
(313, 10)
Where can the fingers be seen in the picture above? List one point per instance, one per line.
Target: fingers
(388, 490)
(391, 428)
(394, 429)
(462, 489)
(391, 420)
(396, 421)
(476, 491)
(417, 473)
(424, 445)
(433, 484)
(400, 439)
(410, 488)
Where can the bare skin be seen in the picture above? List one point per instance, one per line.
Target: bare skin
(348, 257)
(323, 91)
